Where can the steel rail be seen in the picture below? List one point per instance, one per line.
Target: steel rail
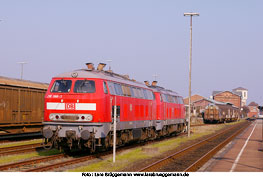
(5, 149)
(73, 161)
(25, 150)
(14, 136)
(156, 165)
(32, 161)
(90, 157)
(195, 166)
(62, 164)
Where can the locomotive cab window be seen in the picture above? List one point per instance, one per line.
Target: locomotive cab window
(105, 88)
(145, 94)
(150, 95)
(180, 100)
(175, 100)
(84, 86)
(118, 89)
(132, 92)
(111, 88)
(61, 86)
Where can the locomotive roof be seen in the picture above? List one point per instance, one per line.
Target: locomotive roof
(84, 73)
(22, 83)
(163, 90)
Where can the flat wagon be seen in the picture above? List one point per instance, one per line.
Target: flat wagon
(21, 106)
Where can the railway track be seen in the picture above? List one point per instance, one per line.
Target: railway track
(20, 149)
(87, 158)
(49, 167)
(199, 125)
(77, 158)
(44, 166)
(31, 162)
(193, 157)
(19, 137)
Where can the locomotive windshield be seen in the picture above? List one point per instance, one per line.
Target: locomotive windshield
(61, 86)
(84, 86)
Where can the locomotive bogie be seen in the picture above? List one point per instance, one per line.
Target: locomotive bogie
(85, 139)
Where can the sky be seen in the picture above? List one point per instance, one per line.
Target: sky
(143, 38)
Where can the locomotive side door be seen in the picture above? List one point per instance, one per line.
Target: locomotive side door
(161, 108)
(107, 102)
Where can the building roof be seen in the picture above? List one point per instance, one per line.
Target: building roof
(22, 83)
(233, 92)
(211, 100)
(214, 102)
(216, 92)
(194, 98)
(240, 88)
(253, 104)
(239, 93)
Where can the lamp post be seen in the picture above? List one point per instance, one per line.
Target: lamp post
(260, 110)
(191, 14)
(22, 68)
(114, 130)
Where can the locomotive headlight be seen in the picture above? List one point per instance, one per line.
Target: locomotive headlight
(52, 117)
(89, 117)
(85, 117)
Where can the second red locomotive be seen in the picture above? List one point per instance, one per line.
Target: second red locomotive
(79, 110)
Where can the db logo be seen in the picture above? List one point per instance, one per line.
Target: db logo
(70, 106)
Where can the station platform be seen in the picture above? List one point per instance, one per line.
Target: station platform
(243, 154)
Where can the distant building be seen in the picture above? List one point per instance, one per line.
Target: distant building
(228, 97)
(194, 98)
(200, 105)
(243, 93)
(260, 115)
(253, 110)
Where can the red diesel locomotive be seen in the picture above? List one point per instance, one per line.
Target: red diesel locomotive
(79, 110)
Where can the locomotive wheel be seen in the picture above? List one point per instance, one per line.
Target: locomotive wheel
(47, 144)
(107, 142)
(153, 134)
(66, 149)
